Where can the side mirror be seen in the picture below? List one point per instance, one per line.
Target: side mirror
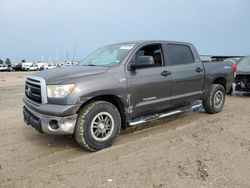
(143, 61)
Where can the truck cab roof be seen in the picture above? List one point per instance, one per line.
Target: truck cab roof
(141, 42)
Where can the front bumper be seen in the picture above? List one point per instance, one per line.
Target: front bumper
(50, 118)
(50, 124)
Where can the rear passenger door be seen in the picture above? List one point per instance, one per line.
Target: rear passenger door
(187, 74)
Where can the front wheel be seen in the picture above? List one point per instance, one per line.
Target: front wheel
(215, 100)
(98, 125)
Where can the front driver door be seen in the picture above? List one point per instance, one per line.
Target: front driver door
(150, 87)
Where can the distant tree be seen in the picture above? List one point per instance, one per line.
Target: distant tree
(1, 61)
(23, 60)
(7, 61)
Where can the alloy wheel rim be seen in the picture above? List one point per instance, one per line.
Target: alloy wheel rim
(218, 99)
(102, 126)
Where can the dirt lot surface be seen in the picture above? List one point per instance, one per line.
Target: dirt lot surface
(193, 149)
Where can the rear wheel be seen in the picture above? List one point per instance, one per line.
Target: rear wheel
(98, 125)
(215, 100)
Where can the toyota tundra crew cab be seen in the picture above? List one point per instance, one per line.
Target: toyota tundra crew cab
(123, 85)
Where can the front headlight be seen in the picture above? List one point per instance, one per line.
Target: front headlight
(59, 91)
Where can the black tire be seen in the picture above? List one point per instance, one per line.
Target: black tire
(210, 105)
(84, 131)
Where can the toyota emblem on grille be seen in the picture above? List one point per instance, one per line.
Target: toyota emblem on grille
(28, 90)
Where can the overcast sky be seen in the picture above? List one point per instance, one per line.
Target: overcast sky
(47, 29)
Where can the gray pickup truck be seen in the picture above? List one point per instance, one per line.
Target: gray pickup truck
(123, 85)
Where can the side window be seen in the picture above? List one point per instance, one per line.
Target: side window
(180, 54)
(151, 50)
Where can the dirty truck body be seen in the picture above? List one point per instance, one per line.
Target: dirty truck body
(121, 85)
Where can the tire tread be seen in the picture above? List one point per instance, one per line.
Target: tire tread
(208, 102)
(79, 129)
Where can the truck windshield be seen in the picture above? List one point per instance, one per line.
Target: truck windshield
(107, 56)
(245, 61)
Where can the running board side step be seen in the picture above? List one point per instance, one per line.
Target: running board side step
(146, 119)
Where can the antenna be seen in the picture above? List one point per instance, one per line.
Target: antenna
(67, 55)
(74, 52)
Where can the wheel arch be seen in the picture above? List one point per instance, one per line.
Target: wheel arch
(113, 99)
(220, 80)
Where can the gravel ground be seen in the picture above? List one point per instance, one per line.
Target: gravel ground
(193, 149)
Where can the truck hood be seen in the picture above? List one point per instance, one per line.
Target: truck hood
(65, 74)
(243, 69)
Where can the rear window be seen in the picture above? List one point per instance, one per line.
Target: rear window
(180, 54)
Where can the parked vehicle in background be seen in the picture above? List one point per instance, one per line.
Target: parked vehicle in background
(70, 63)
(3, 67)
(75, 63)
(48, 66)
(42, 67)
(242, 78)
(123, 85)
(41, 64)
(60, 65)
(26, 66)
(9, 67)
(33, 67)
(52, 66)
(17, 67)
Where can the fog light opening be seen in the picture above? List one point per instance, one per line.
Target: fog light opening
(54, 124)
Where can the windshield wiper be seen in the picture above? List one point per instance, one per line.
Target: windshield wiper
(90, 65)
(93, 65)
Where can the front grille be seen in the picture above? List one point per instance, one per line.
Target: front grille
(33, 90)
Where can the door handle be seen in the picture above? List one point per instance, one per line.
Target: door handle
(198, 69)
(165, 73)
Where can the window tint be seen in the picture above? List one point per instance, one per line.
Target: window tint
(180, 54)
(151, 50)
